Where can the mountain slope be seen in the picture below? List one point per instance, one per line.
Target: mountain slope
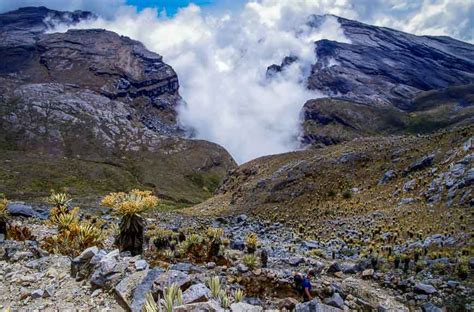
(98, 98)
(378, 181)
(329, 121)
(382, 66)
(376, 84)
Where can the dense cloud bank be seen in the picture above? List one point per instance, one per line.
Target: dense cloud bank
(221, 58)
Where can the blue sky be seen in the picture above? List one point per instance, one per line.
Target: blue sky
(172, 6)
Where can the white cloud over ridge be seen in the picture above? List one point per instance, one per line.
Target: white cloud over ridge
(221, 58)
(221, 62)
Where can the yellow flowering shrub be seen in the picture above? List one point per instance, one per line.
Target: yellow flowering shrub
(131, 203)
(60, 202)
(74, 239)
(3, 208)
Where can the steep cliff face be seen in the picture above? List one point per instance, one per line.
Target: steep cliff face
(382, 66)
(111, 65)
(384, 82)
(95, 95)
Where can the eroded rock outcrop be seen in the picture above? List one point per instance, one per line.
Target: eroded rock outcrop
(97, 96)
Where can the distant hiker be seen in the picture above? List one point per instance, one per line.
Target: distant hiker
(303, 285)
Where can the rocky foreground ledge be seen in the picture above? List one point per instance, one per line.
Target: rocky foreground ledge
(103, 279)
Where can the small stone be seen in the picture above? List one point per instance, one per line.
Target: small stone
(453, 284)
(49, 291)
(38, 293)
(338, 274)
(141, 265)
(210, 265)
(242, 268)
(96, 292)
(368, 273)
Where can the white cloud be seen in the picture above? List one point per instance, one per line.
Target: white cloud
(221, 58)
(221, 61)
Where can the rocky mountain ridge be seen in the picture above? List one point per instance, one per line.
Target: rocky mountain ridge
(101, 99)
(384, 82)
(382, 66)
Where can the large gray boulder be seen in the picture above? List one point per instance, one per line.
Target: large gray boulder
(209, 306)
(125, 290)
(335, 301)
(315, 306)
(25, 210)
(196, 293)
(142, 289)
(429, 307)
(109, 271)
(244, 307)
(172, 277)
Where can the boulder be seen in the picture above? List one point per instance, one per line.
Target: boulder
(242, 218)
(368, 273)
(209, 306)
(242, 268)
(421, 163)
(172, 276)
(38, 293)
(369, 296)
(387, 176)
(185, 267)
(141, 265)
(425, 289)
(335, 267)
(335, 301)
(409, 185)
(145, 286)
(315, 306)
(81, 266)
(109, 271)
(244, 307)
(287, 304)
(24, 210)
(311, 245)
(295, 261)
(125, 289)
(87, 254)
(196, 293)
(350, 268)
(237, 244)
(430, 307)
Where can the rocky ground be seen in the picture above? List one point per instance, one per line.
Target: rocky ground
(102, 279)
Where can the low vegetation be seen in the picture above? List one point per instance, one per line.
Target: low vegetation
(130, 206)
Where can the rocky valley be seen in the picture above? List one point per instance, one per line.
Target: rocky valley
(107, 205)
